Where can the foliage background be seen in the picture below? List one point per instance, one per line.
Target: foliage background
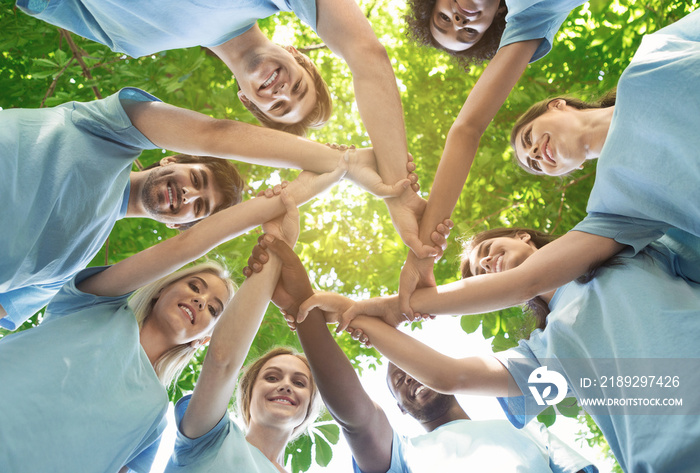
(348, 232)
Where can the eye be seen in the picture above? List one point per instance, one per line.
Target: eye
(198, 207)
(194, 287)
(472, 32)
(444, 17)
(535, 166)
(212, 311)
(398, 380)
(297, 86)
(301, 384)
(195, 180)
(276, 106)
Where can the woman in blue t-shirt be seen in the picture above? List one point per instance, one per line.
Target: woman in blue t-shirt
(521, 31)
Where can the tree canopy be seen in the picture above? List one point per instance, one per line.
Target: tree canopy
(348, 243)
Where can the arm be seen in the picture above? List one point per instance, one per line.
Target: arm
(481, 375)
(550, 267)
(185, 131)
(169, 255)
(482, 104)
(364, 423)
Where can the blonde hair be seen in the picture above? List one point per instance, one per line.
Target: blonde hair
(250, 374)
(173, 361)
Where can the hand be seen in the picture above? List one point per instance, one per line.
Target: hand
(272, 191)
(359, 335)
(419, 272)
(286, 226)
(362, 170)
(333, 306)
(406, 212)
(308, 184)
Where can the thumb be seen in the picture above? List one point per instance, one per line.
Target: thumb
(420, 249)
(384, 191)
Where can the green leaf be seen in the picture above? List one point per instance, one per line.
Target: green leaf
(470, 323)
(324, 452)
(547, 416)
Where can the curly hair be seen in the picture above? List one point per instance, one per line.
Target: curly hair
(419, 17)
(316, 118)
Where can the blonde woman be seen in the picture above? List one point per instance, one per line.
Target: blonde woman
(88, 386)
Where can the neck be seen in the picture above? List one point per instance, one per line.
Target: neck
(135, 207)
(598, 122)
(153, 341)
(235, 51)
(455, 412)
(270, 440)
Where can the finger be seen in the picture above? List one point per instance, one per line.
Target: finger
(247, 272)
(384, 191)
(284, 184)
(260, 193)
(269, 193)
(448, 223)
(410, 157)
(258, 255)
(277, 189)
(415, 186)
(410, 166)
(419, 249)
(439, 240)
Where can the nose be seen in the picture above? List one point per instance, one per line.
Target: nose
(460, 20)
(485, 263)
(190, 194)
(285, 388)
(282, 91)
(199, 302)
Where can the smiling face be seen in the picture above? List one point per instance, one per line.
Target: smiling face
(459, 24)
(176, 193)
(415, 399)
(275, 82)
(500, 254)
(553, 143)
(281, 393)
(187, 309)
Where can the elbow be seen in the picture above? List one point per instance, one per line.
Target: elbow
(467, 129)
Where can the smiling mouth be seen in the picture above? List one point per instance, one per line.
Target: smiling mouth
(283, 400)
(188, 312)
(547, 153)
(498, 266)
(270, 80)
(465, 12)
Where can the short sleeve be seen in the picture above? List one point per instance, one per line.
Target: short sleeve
(143, 462)
(188, 450)
(23, 302)
(70, 299)
(305, 10)
(562, 458)
(635, 232)
(398, 458)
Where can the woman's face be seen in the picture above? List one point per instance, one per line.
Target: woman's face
(553, 143)
(188, 308)
(500, 254)
(281, 393)
(459, 24)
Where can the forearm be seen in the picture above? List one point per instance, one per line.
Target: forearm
(364, 424)
(473, 375)
(380, 107)
(230, 343)
(173, 253)
(189, 132)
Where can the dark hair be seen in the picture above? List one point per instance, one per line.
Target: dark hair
(419, 17)
(226, 177)
(536, 306)
(540, 108)
(316, 118)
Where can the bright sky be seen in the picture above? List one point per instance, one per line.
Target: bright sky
(445, 334)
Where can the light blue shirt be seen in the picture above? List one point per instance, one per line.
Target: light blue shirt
(648, 174)
(223, 448)
(66, 181)
(78, 393)
(535, 19)
(488, 445)
(140, 28)
(638, 311)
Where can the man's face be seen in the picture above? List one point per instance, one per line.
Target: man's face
(419, 401)
(177, 193)
(278, 85)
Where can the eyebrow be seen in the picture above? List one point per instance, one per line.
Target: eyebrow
(301, 97)
(205, 185)
(296, 373)
(206, 286)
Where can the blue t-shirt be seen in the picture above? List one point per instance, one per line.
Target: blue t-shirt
(648, 173)
(535, 19)
(466, 445)
(634, 316)
(223, 448)
(78, 393)
(141, 28)
(66, 176)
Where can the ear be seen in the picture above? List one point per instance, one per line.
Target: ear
(291, 50)
(167, 160)
(556, 104)
(524, 236)
(403, 411)
(174, 226)
(199, 342)
(243, 98)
